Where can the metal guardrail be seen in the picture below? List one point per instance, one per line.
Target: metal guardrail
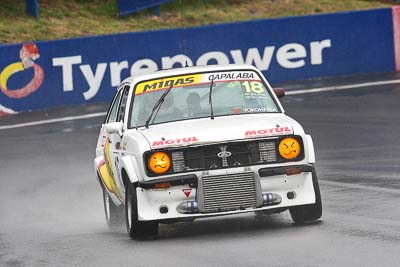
(126, 7)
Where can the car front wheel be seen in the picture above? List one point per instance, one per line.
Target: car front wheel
(311, 212)
(135, 227)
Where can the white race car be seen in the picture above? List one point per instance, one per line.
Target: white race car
(187, 143)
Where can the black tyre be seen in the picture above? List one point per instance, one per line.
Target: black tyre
(114, 215)
(311, 212)
(136, 228)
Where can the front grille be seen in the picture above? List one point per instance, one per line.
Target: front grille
(210, 157)
(178, 161)
(267, 151)
(228, 192)
(242, 154)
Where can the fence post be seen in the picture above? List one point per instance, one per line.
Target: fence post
(32, 8)
(157, 11)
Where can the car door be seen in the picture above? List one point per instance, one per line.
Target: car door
(112, 142)
(111, 117)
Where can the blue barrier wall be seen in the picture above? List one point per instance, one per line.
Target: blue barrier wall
(78, 71)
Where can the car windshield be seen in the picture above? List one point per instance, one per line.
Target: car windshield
(233, 93)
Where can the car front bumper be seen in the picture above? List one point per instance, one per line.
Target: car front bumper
(274, 188)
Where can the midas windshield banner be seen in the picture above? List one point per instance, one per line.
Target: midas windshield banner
(194, 79)
(77, 71)
(165, 83)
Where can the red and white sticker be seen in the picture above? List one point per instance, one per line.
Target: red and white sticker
(283, 130)
(187, 191)
(179, 141)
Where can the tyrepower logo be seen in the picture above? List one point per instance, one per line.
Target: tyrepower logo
(179, 141)
(287, 56)
(28, 54)
(269, 132)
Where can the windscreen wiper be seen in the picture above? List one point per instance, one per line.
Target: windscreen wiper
(157, 106)
(210, 100)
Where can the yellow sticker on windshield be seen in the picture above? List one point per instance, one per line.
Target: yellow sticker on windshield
(250, 80)
(253, 87)
(165, 83)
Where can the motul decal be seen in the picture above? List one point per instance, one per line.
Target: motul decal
(179, 141)
(269, 132)
(187, 191)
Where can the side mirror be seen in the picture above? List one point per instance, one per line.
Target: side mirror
(114, 128)
(280, 92)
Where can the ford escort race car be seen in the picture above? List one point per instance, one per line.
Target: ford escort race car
(182, 144)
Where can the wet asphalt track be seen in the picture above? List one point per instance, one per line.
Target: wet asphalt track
(51, 208)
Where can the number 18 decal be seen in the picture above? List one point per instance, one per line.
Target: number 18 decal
(253, 87)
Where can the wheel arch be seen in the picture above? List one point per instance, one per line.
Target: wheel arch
(126, 179)
(310, 149)
(128, 170)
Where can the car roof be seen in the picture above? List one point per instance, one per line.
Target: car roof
(187, 70)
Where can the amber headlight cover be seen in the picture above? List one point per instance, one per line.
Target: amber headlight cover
(290, 148)
(159, 162)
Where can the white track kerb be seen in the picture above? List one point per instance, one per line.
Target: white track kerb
(294, 92)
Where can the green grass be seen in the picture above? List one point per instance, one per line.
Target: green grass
(74, 18)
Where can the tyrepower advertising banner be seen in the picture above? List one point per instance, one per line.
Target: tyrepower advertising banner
(85, 70)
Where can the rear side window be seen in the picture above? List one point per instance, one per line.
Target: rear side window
(124, 99)
(113, 111)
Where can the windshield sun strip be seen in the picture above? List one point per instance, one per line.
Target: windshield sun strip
(203, 83)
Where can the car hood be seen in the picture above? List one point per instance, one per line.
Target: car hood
(225, 128)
